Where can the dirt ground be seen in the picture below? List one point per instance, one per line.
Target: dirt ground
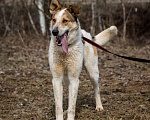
(26, 89)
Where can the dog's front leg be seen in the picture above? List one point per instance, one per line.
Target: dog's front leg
(73, 91)
(58, 94)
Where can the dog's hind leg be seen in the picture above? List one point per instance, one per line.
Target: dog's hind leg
(94, 77)
(91, 65)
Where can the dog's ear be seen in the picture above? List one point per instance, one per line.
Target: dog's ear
(54, 6)
(74, 10)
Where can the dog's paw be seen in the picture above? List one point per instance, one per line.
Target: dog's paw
(99, 109)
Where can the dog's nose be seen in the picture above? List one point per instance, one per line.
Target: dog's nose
(55, 32)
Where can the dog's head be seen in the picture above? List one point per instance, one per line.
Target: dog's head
(64, 21)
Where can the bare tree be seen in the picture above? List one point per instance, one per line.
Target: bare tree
(30, 17)
(7, 28)
(93, 18)
(42, 17)
(99, 16)
(124, 19)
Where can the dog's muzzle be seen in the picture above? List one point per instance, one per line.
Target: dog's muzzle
(55, 32)
(61, 40)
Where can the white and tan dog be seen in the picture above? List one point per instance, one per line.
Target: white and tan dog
(67, 53)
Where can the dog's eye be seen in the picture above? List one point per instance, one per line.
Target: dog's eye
(54, 20)
(64, 21)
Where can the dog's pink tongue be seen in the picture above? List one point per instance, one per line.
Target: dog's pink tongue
(64, 44)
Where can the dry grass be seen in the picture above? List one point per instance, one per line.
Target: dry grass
(26, 89)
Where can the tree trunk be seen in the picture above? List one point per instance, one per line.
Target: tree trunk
(29, 15)
(7, 28)
(124, 19)
(99, 17)
(93, 20)
(42, 17)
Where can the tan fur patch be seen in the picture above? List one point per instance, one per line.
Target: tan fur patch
(66, 17)
(83, 41)
(95, 50)
(69, 16)
(74, 10)
(54, 6)
(58, 69)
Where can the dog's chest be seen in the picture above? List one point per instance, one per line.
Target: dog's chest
(71, 61)
(72, 56)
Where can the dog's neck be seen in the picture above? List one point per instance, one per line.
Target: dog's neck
(75, 35)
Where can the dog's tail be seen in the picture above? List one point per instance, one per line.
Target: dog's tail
(106, 35)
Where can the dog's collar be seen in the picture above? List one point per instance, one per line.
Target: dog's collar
(69, 45)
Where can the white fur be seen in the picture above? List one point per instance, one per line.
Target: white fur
(58, 23)
(91, 65)
(67, 68)
(103, 37)
(61, 13)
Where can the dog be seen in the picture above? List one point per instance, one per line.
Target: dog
(68, 53)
